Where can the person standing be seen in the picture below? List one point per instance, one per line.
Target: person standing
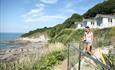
(88, 40)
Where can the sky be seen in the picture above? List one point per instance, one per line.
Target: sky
(26, 15)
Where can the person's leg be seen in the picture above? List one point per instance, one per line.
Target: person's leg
(85, 47)
(89, 49)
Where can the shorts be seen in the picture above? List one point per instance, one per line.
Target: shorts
(88, 42)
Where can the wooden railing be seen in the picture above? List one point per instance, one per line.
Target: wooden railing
(103, 66)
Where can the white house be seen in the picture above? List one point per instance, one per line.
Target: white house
(79, 25)
(86, 22)
(99, 21)
(104, 21)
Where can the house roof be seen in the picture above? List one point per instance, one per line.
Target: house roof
(78, 22)
(106, 16)
(94, 18)
(91, 19)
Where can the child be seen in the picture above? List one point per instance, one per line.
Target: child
(88, 39)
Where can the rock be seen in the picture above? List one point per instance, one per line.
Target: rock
(11, 54)
(21, 42)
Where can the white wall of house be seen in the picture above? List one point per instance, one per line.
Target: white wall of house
(95, 25)
(89, 23)
(113, 22)
(104, 22)
(78, 25)
(107, 23)
(92, 24)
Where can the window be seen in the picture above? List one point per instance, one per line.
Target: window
(92, 23)
(109, 20)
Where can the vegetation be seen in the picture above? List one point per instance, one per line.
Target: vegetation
(107, 7)
(53, 31)
(48, 56)
(25, 63)
(44, 30)
(112, 58)
(102, 37)
(65, 33)
(45, 63)
(50, 60)
(68, 35)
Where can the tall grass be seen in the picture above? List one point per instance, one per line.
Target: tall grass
(55, 53)
(27, 61)
(23, 62)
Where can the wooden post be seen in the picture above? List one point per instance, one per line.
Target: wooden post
(68, 59)
(79, 58)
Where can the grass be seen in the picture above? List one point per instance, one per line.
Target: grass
(102, 37)
(112, 58)
(53, 53)
(24, 63)
(50, 60)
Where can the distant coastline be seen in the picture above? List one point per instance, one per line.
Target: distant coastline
(8, 37)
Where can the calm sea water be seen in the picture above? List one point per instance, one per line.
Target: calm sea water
(8, 37)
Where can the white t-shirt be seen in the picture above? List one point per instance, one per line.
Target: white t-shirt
(88, 36)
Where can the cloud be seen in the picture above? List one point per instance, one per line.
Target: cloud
(40, 5)
(45, 18)
(36, 11)
(39, 15)
(49, 1)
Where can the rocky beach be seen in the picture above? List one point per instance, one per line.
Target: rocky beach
(27, 47)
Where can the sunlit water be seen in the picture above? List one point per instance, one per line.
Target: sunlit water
(8, 37)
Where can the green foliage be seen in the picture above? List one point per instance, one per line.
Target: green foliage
(70, 35)
(49, 60)
(39, 31)
(102, 37)
(112, 59)
(107, 7)
(112, 31)
(69, 23)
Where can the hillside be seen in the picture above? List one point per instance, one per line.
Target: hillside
(36, 56)
(102, 37)
(52, 31)
(107, 7)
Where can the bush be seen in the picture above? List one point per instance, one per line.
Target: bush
(51, 59)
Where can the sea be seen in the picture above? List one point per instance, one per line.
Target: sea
(8, 37)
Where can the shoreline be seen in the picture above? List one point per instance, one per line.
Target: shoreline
(24, 40)
(13, 53)
(14, 42)
(27, 47)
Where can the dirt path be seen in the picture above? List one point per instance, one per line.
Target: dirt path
(62, 66)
